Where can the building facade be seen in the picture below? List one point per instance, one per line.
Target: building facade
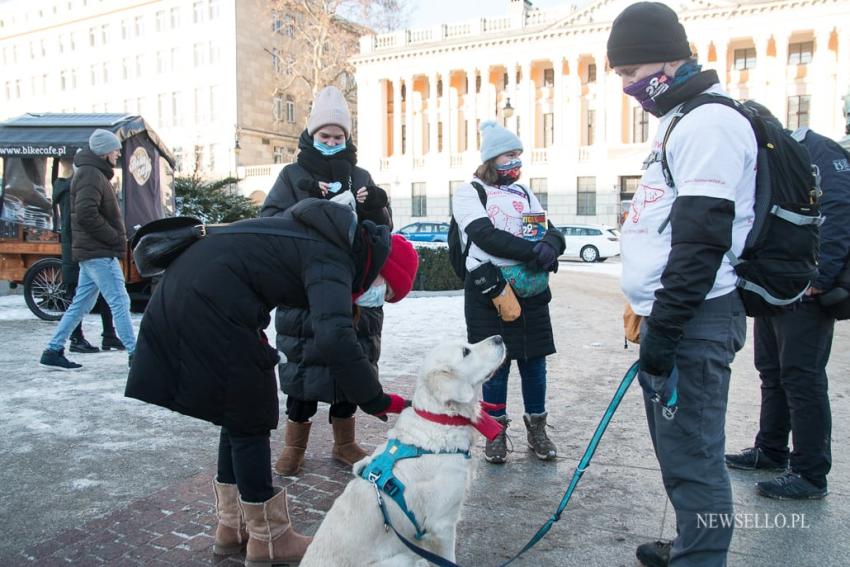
(544, 74)
(204, 73)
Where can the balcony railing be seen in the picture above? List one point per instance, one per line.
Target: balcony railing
(456, 161)
(540, 155)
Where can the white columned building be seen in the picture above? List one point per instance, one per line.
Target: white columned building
(584, 139)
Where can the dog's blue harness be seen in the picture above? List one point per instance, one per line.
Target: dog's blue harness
(379, 472)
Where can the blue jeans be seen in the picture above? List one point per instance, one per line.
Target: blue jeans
(532, 371)
(104, 276)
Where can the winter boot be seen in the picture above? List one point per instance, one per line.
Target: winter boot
(231, 537)
(496, 451)
(111, 341)
(346, 450)
(272, 539)
(294, 444)
(538, 440)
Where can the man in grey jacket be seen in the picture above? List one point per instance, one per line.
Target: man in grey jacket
(99, 241)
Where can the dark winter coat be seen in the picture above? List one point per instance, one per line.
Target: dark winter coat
(96, 219)
(299, 181)
(305, 374)
(62, 197)
(201, 348)
(834, 165)
(530, 336)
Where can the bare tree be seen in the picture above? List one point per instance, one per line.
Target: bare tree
(315, 39)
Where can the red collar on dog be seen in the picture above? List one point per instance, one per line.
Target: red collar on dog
(486, 424)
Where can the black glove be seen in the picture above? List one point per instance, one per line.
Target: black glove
(488, 280)
(658, 349)
(378, 406)
(547, 257)
(311, 187)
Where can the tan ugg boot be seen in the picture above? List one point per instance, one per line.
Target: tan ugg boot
(272, 539)
(346, 449)
(230, 534)
(294, 444)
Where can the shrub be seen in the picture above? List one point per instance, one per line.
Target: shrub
(435, 271)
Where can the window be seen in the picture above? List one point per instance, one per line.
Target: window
(548, 77)
(139, 26)
(160, 109)
(418, 200)
(62, 81)
(628, 186)
(198, 11)
(404, 138)
(277, 65)
(199, 54)
(175, 57)
(589, 126)
(178, 158)
(439, 136)
(290, 109)
(125, 69)
(505, 81)
(104, 34)
(160, 62)
(745, 58)
(105, 69)
(478, 83)
(277, 154)
(640, 125)
(175, 109)
(591, 72)
(93, 75)
(277, 107)
(92, 37)
(215, 9)
(124, 30)
(586, 196)
(800, 53)
(798, 112)
(160, 21)
(213, 102)
(453, 186)
(174, 18)
(540, 188)
(477, 134)
(548, 129)
(277, 22)
(215, 53)
(138, 65)
(211, 157)
(72, 40)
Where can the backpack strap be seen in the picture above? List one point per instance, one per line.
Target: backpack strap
(482, 193)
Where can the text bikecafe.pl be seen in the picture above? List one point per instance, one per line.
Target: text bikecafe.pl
(753, 521)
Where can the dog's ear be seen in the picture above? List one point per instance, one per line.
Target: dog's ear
(446, 387)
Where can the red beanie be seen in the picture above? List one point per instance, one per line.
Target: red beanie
(400, 268)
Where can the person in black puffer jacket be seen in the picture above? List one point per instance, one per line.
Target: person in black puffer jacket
(326, 168)
(202, 351)
(506, 291)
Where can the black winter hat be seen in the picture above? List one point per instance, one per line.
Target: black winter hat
(647, 32)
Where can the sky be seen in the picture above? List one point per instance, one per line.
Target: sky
(427, 13)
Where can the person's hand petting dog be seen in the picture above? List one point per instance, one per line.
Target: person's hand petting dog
(385, 404)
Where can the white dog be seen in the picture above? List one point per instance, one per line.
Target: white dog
(449, 387)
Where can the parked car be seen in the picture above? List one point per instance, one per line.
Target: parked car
(426, 232)
(591, 243)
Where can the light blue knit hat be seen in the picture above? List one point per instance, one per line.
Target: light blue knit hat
(496, 140)
(101, 142)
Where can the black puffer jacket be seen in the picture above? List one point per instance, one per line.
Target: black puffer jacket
(305, 375)
(201, 350)
(96, 219)
(296, 182)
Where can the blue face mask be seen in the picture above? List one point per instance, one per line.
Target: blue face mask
(327, 150)
(374, 296)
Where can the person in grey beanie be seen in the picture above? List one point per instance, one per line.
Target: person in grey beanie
(99, 242)
(513, 301)
(676, 275)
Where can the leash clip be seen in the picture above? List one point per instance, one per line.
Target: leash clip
(373, 478)
(669, 412)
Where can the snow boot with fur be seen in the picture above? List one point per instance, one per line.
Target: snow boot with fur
(345, 449)
(231, 537)
(294, 444)
(272, 539)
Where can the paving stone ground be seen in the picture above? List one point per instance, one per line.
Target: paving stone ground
(115, 489)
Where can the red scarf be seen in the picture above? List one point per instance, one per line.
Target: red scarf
(486, 424)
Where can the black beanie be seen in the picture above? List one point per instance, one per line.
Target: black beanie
(647, 32)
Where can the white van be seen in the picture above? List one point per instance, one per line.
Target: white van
(591, 242)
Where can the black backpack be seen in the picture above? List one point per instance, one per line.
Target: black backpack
(457, 252)
(780, 256)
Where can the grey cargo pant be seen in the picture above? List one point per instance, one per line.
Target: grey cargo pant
(690, 448)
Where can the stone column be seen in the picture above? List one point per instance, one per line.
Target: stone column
(511, 93)
(396, 117)
(601, 130)
(820, 83)
(777, 97)
(408, 115)
(445, 113)
(433, 118)
(528, 110)
(559, 105)
(572, 108)
(758, 77)
(471, 112)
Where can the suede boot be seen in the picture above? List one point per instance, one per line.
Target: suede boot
(272, 539)
(345, 449)
(231, 537)
(294, 444)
